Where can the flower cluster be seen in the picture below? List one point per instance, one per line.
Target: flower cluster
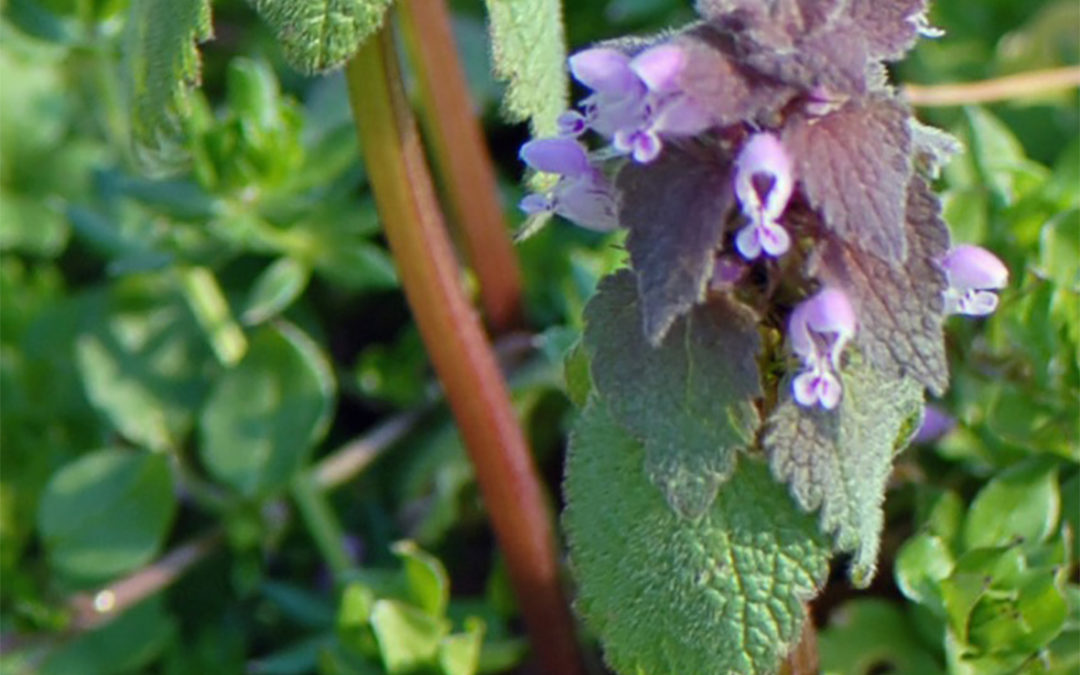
(764, 132)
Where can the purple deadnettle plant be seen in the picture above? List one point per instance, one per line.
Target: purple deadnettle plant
(789, 278)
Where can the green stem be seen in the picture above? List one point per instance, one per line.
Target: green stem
(321, 522)
(462, 160)
(462, 358)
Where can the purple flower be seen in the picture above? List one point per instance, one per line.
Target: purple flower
(763, 185)
(635, 100)
(974, 273)
(935, 424)
(818, 331)
(582, 193)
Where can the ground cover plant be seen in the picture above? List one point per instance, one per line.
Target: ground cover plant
(420, 337)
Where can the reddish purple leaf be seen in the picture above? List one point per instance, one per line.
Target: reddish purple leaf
(900, 308)
(675, 208)
(854, 165)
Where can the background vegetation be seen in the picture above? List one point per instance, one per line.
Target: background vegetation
(149, 323)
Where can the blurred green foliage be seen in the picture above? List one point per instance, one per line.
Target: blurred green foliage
(177, 351)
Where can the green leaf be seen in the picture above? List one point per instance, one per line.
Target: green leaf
(264, 416)
(408, 637)
(529, 51)
(1059, 242)
(127, 645)
(318, 35)
(690, 400)
(275, 289)
(873, 635)
(1021, 503)
(921, 563)
(838, 460)
(460, 654)
(671, 596)
(143, 363)
(163, 66)
(107, 513)
(429, 588)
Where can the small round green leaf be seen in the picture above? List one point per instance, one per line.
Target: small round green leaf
(922, 562)
(106, 513)
(275, 289)
(264, 416)
(1022, 503)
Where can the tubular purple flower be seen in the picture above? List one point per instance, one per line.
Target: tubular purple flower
(659, 68)
(974, 273)
(582, 194)
(818, 330)
(564, 156)
(606, 71)
(635, 100)
(763, 185)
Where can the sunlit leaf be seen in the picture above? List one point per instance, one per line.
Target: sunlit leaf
(668, 595)
(689, 400)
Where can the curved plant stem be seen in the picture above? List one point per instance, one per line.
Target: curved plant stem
(463, 360)
(462, 160)
(1000, 89)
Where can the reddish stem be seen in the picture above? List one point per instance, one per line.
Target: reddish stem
(460, 353)
(462, 160)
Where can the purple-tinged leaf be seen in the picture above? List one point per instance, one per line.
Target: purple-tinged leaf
(690, 400)
(900, 308)
(890, 27)
(675, 209)
(854, 165)
(837, 461)
(713, 78)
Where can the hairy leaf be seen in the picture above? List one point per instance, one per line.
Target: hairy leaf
(888, 26)
(318, 35)
(689, 400)
(900, 309)
(670, 596)
(713, 77)
(529, 52)
(163, 66)
(675, 209)
(854, 165)
(838, 460)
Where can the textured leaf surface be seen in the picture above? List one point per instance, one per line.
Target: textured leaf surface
(163, 66)
(888, 26)
(675, 209)
(670, 596)
(107, 512)
(854, 165)
(714, 79)
(529, 51)
(318, 35)
(264, 415)
(900, 309)
(689, 400)
(838, 461)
